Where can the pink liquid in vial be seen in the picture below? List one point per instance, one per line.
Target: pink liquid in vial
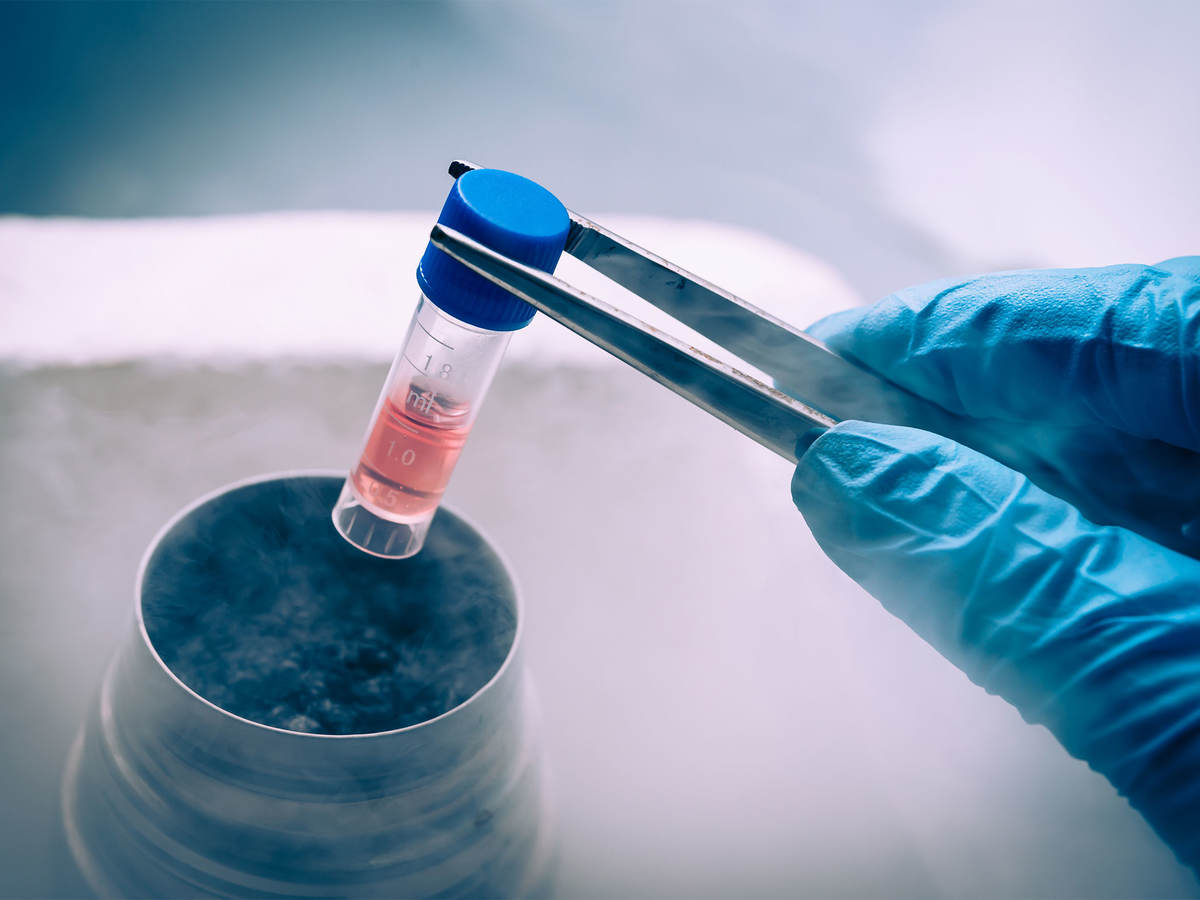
(410, 454)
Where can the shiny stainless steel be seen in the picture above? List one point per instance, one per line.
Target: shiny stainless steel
(802, 367)
(759, 411)
(798, 363)
(167, 795)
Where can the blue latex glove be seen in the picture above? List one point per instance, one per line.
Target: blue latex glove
(1091, 630)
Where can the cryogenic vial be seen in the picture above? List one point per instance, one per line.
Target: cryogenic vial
(458, 333)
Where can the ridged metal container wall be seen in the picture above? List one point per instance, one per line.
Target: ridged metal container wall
(167, 795)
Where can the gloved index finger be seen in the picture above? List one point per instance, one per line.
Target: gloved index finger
(1117, 346)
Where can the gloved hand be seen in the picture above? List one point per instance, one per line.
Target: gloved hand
(1090, 629)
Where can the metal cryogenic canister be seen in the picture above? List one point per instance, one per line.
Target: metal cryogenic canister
(167, 794)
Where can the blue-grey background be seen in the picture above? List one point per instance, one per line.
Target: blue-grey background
(900, 141)
(728, 688)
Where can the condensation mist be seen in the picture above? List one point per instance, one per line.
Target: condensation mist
(212, 214)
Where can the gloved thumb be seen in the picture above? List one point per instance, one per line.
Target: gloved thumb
(1092, 631)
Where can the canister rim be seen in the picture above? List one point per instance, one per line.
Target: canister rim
(188, 509)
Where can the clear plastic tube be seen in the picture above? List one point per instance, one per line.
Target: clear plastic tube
(417, 431)
(460, 330)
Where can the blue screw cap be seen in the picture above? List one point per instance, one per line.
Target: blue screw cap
(509, 214)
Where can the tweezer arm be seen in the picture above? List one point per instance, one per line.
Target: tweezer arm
(763, 413)
(743, 329)
(799, 364)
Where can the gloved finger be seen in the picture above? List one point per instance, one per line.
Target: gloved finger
(1117, 346)
(1185, 266)
(1092, 631)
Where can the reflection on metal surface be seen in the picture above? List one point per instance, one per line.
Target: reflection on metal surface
(166, 794)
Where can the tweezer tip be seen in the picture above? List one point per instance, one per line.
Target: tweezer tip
(461, 167)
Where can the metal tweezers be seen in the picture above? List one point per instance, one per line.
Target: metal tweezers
(814, 387)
